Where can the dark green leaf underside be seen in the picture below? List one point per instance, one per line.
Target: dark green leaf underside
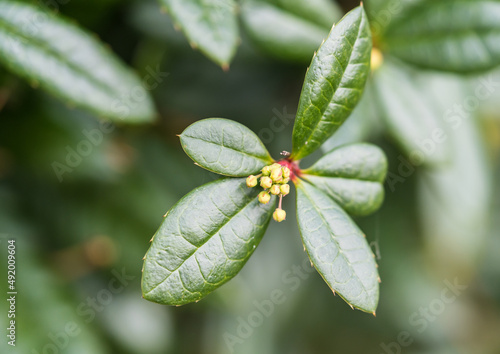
(204, 241)
(337, 248)
(70, 63)
(333, 84)
(450, 212)
(412, 118)
(225, 147)
(458, 36)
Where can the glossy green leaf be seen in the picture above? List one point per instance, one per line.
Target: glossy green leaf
(289, 29)
(209, 25)
(337, 248)
(458, 36)
(412, 118)
(353, 176)
(225, 147)
(61, 58)
(333, 84)
(204, 241)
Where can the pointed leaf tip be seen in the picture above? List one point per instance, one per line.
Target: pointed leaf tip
(335, 83)
(337, 248)
(210, 26)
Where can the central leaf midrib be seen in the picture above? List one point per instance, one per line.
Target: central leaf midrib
(230, 148)
(41, 46)
(198, 248)
(341, 177)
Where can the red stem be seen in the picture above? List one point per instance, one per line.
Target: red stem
(293, 166)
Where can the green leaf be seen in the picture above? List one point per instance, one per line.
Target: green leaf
(289, 29)
(412, 118)
(61, 58)
(337, 248)
(209, 25)
(204, 241)
(457, 36)
(334, 83)
(225, 147)
(353, 176)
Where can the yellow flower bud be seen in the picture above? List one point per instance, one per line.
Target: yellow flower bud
(286, 172)
(279, 215)
(251, 181)
(264, 197)
(377, 59)
(275, 189)
(284, 189)
(277, 175)
(285, 181)
(275, 166)
(266, 182)
(266, 171)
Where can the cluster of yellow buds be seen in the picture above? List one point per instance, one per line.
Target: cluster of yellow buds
(274, 180)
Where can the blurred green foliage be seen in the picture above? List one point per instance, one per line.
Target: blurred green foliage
(438, 224)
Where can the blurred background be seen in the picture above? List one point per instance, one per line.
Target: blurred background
(81, 235)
